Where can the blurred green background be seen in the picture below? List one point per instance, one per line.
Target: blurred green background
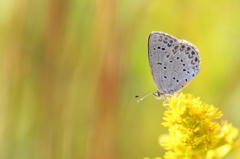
(69, 71)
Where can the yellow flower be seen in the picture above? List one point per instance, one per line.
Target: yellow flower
(193, 133)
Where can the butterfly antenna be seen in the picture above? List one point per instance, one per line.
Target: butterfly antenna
(144, 96)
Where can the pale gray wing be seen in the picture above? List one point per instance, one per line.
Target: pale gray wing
(159, 44)
(186, 65)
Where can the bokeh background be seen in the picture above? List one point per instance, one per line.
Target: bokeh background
(69, 71)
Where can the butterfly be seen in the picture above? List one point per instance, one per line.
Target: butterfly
(173, 63)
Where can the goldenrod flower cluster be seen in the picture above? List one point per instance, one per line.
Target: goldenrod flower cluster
(193, 131)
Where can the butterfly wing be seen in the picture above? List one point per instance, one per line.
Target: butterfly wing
(174, 63)
(186, 65)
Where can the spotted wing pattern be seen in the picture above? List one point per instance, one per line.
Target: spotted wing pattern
(173, 62)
